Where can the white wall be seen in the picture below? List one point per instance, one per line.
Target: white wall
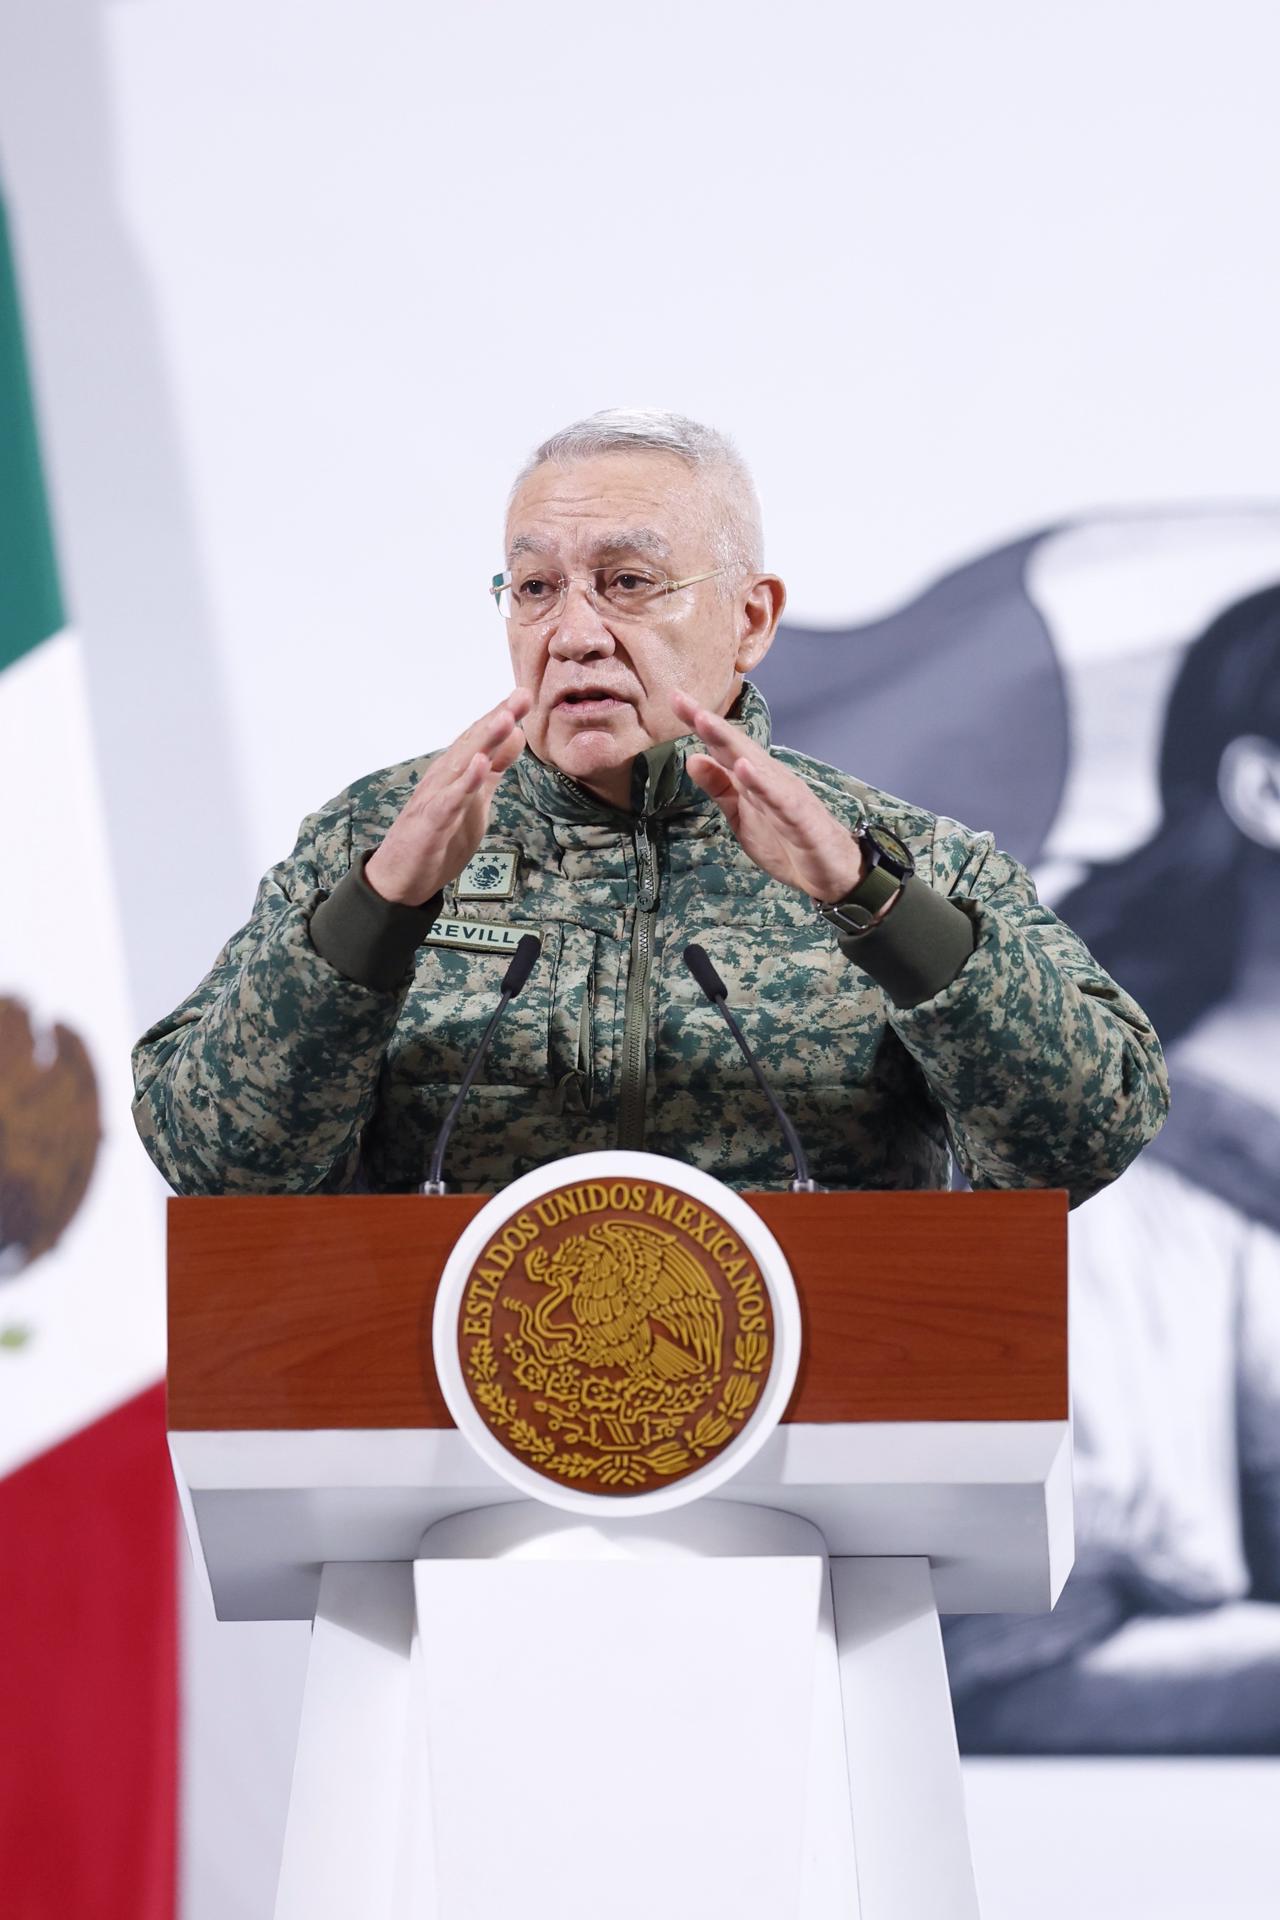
(305, 281)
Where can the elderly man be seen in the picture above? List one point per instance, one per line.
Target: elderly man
(902, 985)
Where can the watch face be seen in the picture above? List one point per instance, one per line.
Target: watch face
(893, 853)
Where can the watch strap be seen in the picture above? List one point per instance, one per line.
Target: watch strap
(919, 947)
(859, 907)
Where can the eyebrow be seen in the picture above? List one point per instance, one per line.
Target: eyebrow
(626, 540)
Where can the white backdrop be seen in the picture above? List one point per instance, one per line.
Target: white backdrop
(304, 282)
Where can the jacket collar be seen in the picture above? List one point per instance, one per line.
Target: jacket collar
(660, 785)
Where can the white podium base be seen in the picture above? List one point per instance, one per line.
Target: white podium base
(573, 1721)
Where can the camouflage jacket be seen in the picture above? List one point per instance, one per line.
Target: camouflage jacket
(283, 1073)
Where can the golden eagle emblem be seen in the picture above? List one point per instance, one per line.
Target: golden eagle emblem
(615, 1352)
(636, 1299)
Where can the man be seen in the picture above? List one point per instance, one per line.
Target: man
(904, 988)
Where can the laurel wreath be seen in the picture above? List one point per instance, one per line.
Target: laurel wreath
(631, 1468)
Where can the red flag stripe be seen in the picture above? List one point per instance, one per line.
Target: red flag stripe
(88, 1675)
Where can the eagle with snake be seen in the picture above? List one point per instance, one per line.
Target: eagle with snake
(635, 1299)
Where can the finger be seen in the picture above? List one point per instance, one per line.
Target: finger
(443, 799)
(516, 704)
(724, 752)
(451, 764)
(472, 778)
(508, 751)
(488, 732)
(491, 729)
(721, 738)
(499, 760)
(709, 774)
(716, 783)
(509, 712)
(781, 794)
(469, 798)
(492, 780)
(706, 721)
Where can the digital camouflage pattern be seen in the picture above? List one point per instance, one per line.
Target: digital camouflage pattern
(279, 1075)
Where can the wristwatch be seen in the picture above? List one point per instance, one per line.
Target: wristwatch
(888, 866)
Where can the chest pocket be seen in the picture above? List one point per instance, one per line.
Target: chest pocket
(543, 1039)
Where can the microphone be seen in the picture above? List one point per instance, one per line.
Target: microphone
(523, 961)
(699, 965)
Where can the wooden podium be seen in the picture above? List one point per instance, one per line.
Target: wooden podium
(739, 1707)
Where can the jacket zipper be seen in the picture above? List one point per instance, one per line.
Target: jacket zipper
(635, 1026)
(633, 1083)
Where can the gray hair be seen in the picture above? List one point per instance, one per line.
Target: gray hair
(738, 534)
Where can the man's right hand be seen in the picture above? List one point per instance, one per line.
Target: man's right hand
(443, 821)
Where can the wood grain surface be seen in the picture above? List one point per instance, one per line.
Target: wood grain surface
(309, 1313)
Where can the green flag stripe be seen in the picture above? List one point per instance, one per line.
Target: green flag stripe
(30, 603)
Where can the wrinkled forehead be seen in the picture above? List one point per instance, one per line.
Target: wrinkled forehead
(592, 546)
(650, 506)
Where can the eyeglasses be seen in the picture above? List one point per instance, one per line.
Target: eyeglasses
(631, 592)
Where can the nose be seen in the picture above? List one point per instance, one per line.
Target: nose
(579, 632)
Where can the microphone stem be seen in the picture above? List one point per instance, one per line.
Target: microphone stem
(803, 1182)
(434, 1182)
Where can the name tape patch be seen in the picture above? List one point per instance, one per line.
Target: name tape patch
(487, 936)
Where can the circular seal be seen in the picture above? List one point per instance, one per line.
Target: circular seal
(616, 1329)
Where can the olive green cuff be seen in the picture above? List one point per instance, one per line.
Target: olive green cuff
(366, 938)
(917, 949)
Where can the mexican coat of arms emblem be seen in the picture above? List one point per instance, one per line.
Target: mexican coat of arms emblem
(615, 1335)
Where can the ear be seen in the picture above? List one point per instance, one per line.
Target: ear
(758, 618)
(1249, 788)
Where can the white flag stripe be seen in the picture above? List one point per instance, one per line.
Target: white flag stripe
(93, 1308)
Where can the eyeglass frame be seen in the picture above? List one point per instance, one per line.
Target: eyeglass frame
(501, 582)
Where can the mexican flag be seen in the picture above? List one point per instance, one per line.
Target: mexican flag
(88, 1615)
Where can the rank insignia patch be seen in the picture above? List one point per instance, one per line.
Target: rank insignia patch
(488, 876)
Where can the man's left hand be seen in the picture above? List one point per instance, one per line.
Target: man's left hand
(780, 822)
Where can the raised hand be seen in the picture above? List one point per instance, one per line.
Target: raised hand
(442, 822)
(780, 822)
